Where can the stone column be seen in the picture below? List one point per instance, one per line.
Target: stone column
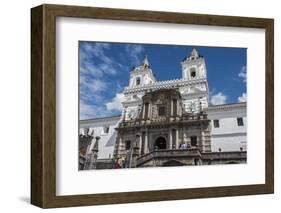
(124, 114)
(140, 142)
(119, 146)
(201, 142)
(172, 106)
(143, 111)
(134, 153)
(177, 138)
(178, 107)
(184, 136)
(149, 110)
(170, 139)
(146, 142)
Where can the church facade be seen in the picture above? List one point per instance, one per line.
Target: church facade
(166, 123)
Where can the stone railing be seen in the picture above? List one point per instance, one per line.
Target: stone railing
(197, 116)
(132, 123)
(164, 153)
(160, 119)
(164, 120)
(224, 155)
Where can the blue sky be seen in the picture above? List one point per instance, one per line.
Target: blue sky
(105, 67)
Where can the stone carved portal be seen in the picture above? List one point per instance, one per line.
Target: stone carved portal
(160, 143)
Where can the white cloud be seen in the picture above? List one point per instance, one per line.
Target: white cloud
(92, 89)
(104, 64)
(218, 99)
(242, 74)
(97, 85)
(115, 103)
(92, 110)
(96, 49)
(88, 111)
(92, 85)
(91, 69)
(107, 68)
(135, 52)
(242, 98)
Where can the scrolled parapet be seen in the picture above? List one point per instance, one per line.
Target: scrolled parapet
(175, 83)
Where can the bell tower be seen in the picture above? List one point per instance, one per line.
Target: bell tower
(193, 67)
(195, 95)
(142, 75)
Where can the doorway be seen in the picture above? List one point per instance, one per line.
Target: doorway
(160, 143)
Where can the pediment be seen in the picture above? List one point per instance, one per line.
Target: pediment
(132, 98)
(194, 90)
(136, 98)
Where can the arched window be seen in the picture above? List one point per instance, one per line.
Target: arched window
(193, 140)
(160, 143)
(175, 108)
(128, 145)
(192, 72)
(138, 81)
(161, 110)
(146, 106)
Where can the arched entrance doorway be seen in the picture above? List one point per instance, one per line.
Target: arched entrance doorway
(172, 163)
(160, 143)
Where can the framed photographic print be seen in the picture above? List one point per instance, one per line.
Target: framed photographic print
(137, 106)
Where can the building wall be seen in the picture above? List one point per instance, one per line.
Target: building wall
(228, 136)
(107, 140)
(228, 143)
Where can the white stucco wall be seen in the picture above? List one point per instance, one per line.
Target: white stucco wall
(107, 140)
(228, 136)
(228, 142)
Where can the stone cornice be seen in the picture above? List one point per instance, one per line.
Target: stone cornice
(176, 83)
(225, 107)
(103, 119)
(233, 134)
(192, 62)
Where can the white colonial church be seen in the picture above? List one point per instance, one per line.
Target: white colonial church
(166, 123)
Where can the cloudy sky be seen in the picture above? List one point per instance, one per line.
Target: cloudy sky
(105, 67)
